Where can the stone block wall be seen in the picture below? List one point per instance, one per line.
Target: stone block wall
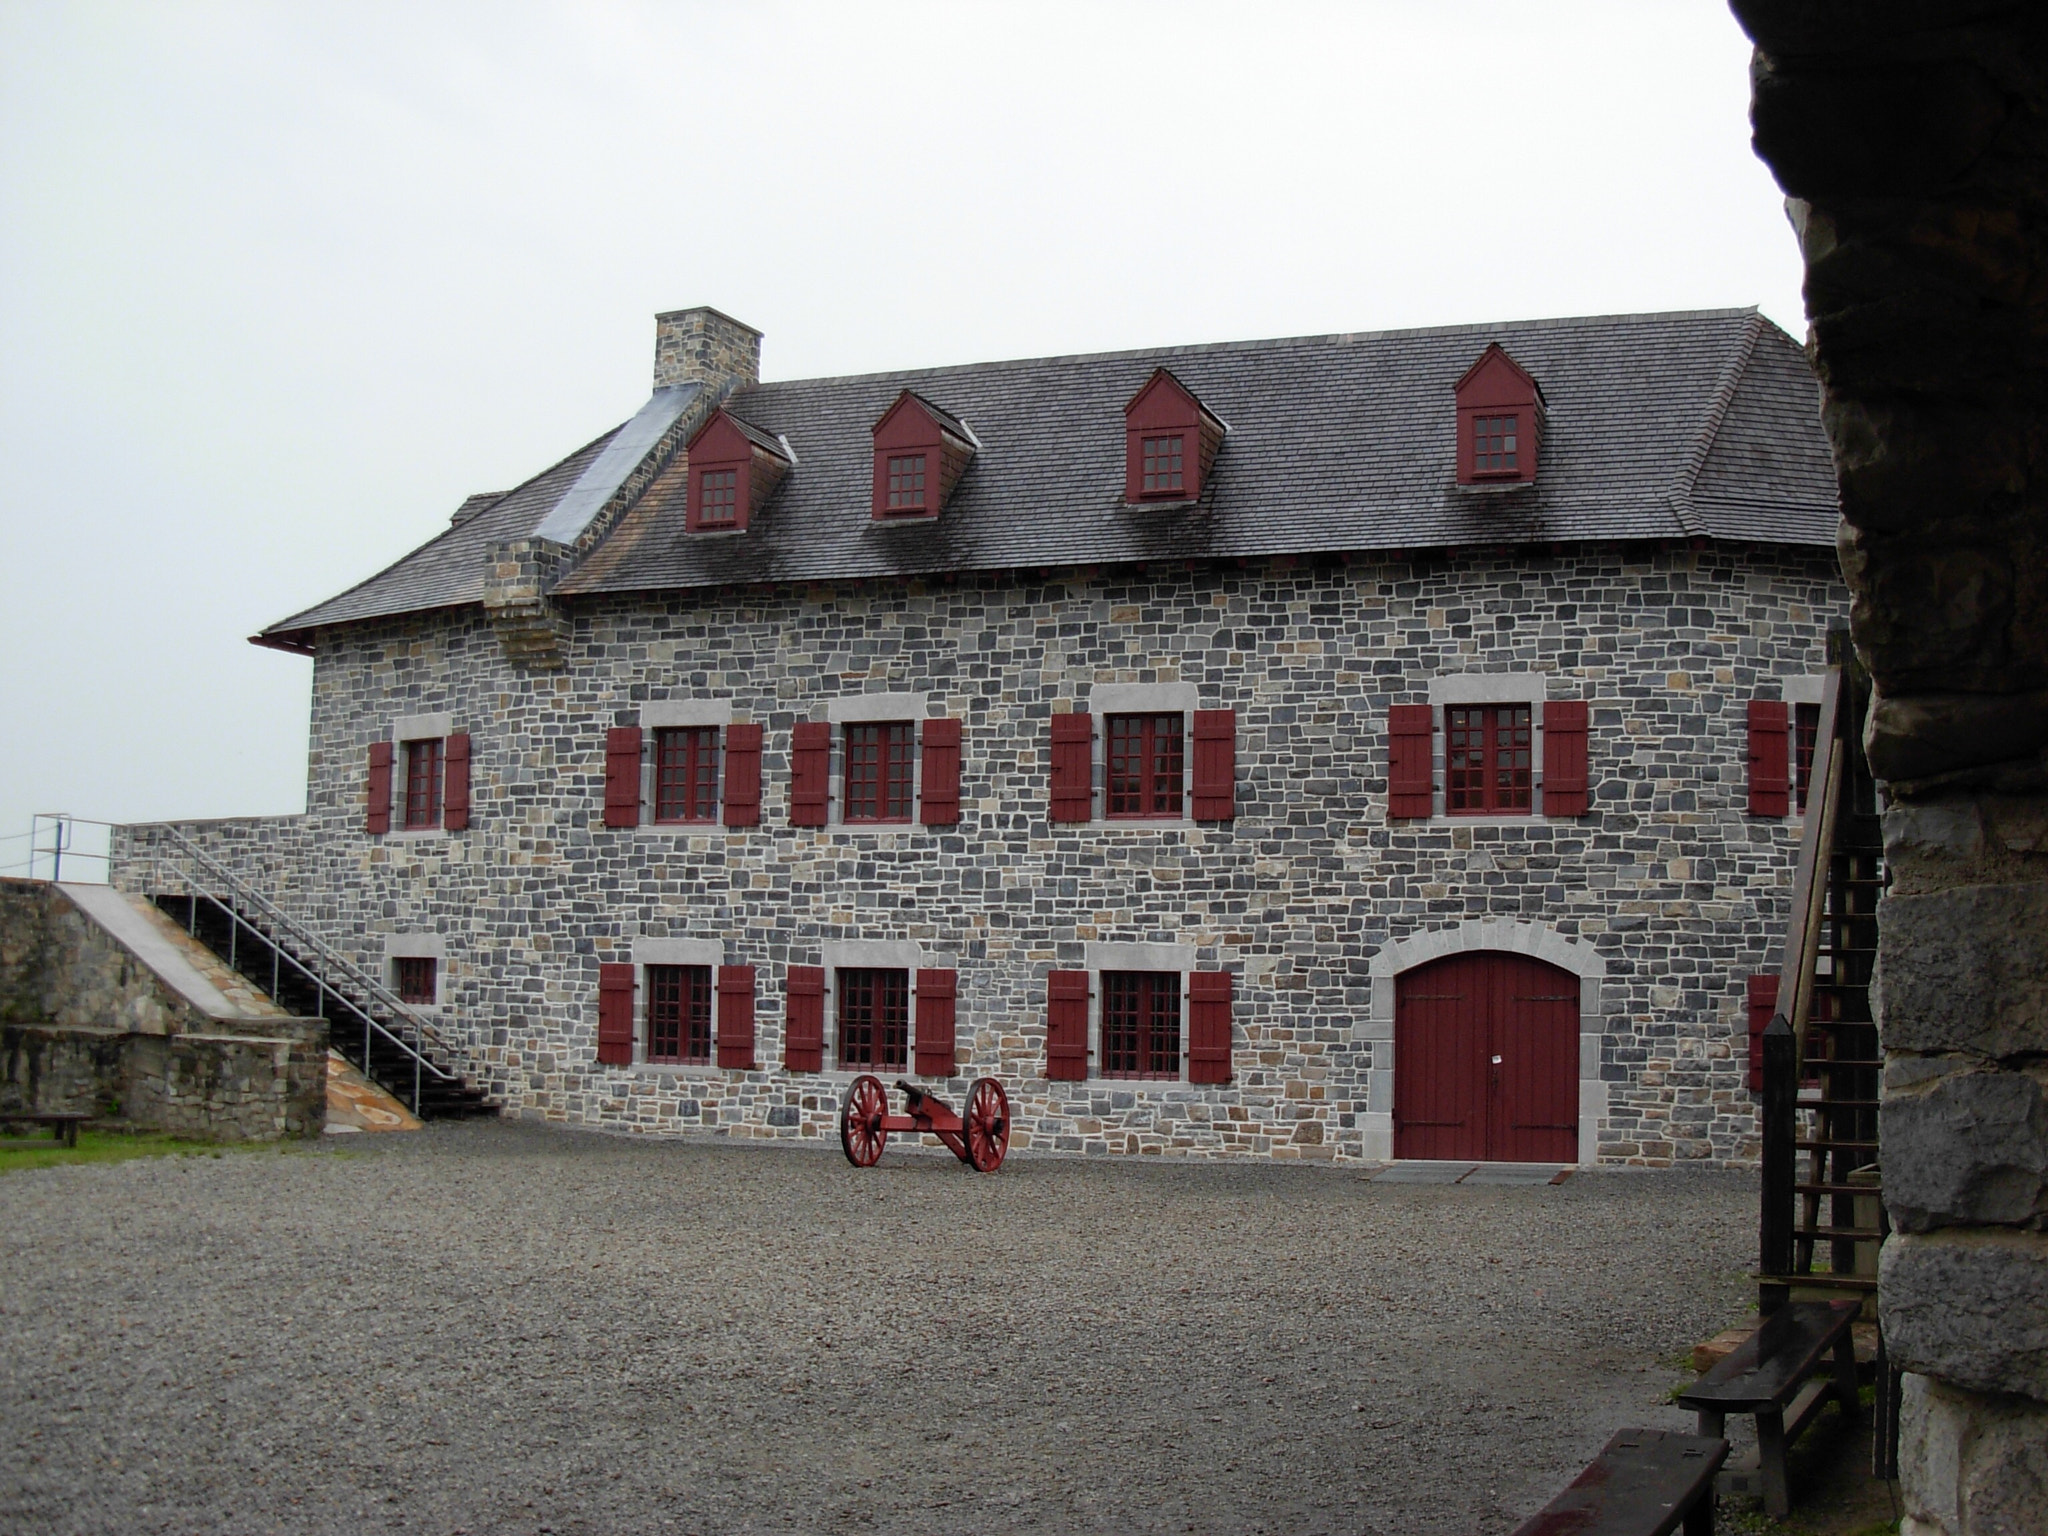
(87, 1027)
(1678, 891)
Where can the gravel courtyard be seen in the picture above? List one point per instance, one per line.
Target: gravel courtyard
(514, 1328)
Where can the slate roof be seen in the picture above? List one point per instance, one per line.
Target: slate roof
(448, 570)
(1700, 424)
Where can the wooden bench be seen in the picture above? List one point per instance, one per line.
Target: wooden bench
(1644, 1482)
(63, 1124)
(1769, 1377)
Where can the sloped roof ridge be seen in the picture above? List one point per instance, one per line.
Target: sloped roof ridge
(1206, 348)
(285, 626)
(1711, 423)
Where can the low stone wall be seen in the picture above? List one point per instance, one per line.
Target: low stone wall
(87, 1026)
(221, 1086)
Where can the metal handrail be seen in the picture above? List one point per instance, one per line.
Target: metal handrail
(375, 992)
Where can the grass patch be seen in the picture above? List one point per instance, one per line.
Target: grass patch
(41, 1150)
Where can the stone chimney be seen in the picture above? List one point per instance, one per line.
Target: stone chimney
(701, 346)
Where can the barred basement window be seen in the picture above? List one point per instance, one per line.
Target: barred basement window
(416, 979)
(679, 1014)
(1487, 759)
(906, 483)
(1805, 734)
(686, 774)
(1141, 1024)
(874, 1020)
(880, 770)
(1493, 445)
(1145, 759)
(718, 498)
(422, 784)
(1162, 466)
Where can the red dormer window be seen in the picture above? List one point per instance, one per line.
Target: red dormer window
(717, 498)
(1500, 421)
(906, 483)
(733, 466)
(1170, 442)
(920, 454)
(1163, 472)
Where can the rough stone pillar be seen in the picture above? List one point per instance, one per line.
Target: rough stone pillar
(1912, 141)
(702, 346)
(518, 575)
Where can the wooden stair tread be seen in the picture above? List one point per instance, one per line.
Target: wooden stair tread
(1822, 1280)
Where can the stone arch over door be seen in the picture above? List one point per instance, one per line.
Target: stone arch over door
(1532, 939)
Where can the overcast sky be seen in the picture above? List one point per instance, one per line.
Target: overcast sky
(281, 284)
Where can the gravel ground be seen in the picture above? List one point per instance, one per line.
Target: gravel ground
(515, 1328)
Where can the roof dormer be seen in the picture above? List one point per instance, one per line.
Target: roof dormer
(920, 454)
(1500, 421)
(1170, 441)
(734, 467)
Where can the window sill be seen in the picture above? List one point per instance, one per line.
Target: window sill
(886, 519)
(681, 1068)
(415, 834)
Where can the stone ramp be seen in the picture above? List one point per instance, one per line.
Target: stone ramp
(354, 1103)
(182, 964)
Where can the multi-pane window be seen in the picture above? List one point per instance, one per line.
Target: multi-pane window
(1145, 759)
(416, 979)
(880, 762)
(874, 1020)
(1805, 734)
(679, 1013)
(1493, 444)
(423, 783)
(906, 482)
(1487, 755)
(1162, 464)
(1141, 1024)
(686, 774)
(718, 497)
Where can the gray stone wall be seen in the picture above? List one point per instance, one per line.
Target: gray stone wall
(1669, 880)
(87, 1027)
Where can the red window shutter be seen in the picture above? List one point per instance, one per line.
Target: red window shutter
(1409, 727)
(1072, 738)
(743, 775)
(936, 994)
(810, 766)
(622, 776)
(1209, 1027)
(1066, 1023)
(1215, 764)
(1763, 1003)
(1770, 756)
(455, 782)
(803, 1024)
(940, 803)
(615, 1015)
(736, 1016)
(377, 820)
(1564, 757)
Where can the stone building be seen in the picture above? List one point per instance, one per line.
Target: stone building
(1345, 747)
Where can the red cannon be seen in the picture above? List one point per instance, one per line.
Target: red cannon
(979, 1138)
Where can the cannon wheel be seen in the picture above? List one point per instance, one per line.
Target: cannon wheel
(860, 1121)
(987, 1123)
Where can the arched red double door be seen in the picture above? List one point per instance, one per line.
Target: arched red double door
(1486, 1060)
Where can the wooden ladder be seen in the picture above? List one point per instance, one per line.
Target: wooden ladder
(1823, 1202)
